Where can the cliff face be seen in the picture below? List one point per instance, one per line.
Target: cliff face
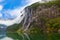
(45, 16)
(42, 12)
(41, 22)
(25, 23)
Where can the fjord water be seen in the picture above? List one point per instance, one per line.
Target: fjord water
(2, 31)
(35, 34)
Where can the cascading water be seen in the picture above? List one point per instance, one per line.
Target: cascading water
(27, 18)
(25, 15)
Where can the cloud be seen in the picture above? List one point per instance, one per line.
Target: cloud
(1, 0)
(17, 12)
(1, 7)
(33, 1)
(0, 15)
(29, 2)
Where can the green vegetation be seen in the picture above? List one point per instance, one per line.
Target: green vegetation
(53, 24)
(36, 33)
(47, 4)
(35, 5)
(42, 28)
(15, 36)
(14, 28)
(58, 8)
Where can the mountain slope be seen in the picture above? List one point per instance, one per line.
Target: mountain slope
(43, 15)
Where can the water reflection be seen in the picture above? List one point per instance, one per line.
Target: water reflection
(27, 36)
(12, 36)
(16, 36)
(35, 34)
(2, 31)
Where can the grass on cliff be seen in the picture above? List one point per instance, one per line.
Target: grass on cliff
(47, 4)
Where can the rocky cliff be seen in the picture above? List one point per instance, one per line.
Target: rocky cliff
(44, 16)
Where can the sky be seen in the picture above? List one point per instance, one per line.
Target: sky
(10, 9)
(6, 5)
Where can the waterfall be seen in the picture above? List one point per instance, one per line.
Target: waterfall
(25, 15)
(27, 18)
